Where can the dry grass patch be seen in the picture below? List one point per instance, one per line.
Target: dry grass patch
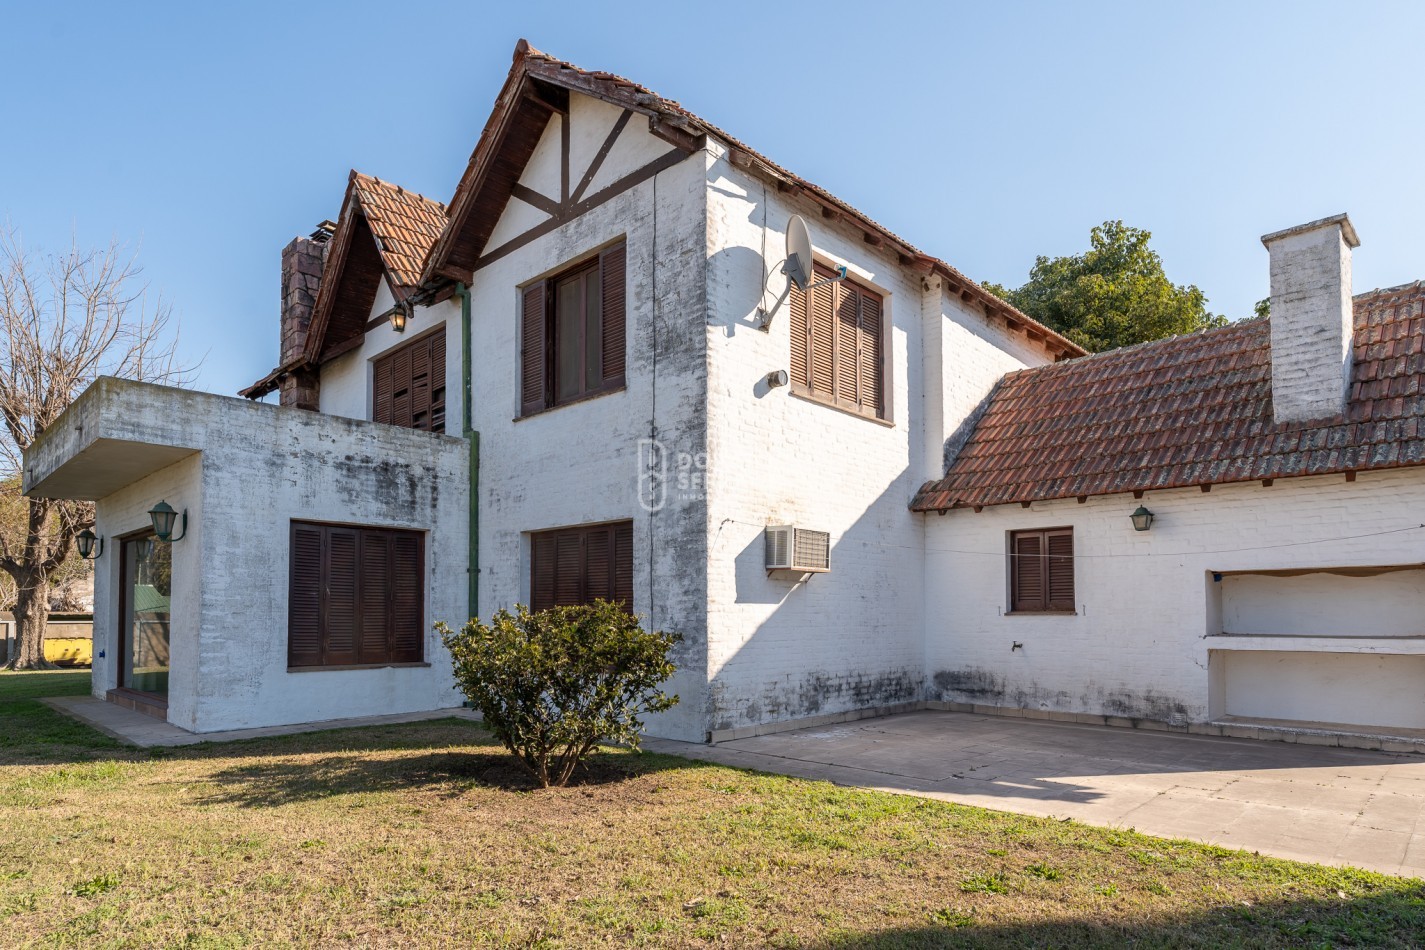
(425, 834)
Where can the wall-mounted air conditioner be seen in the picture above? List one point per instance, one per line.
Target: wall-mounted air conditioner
(797, 550)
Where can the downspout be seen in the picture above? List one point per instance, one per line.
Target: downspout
(472, 437)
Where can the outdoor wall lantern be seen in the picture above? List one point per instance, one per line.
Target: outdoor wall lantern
(163, 517)
(84, 540)
(398, 318)
(1142, 519)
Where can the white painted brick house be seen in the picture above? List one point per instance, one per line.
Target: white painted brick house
(579, 337)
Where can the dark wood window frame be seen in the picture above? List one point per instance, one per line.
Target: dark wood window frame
(356, 597)
(1041, 571)
(408, 384)
(542, 346)
(570, 566)
(839, 347)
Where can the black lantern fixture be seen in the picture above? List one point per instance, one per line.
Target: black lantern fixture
(84, 540)
(1142, 519)
(163, 517)
(398, 318)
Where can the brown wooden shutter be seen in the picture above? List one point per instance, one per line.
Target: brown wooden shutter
(569, 568)
(848, 337)
(304, 597)
(1027, 571)
(871, 372)
(532, 350)
(612, 279)
(339, 619)
(821, 341)
(375, 560)
(623, 564)
(420, 385)
(1059, 546)
(801, 337)
(437, 382)
(598, 565)
(381, 391)
(541, 587)
(407, 598)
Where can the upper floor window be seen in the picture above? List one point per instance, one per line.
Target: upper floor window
(837, 350)
(572, 330)
(1041, 570)
(408, 384)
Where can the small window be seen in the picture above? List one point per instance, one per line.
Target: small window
(408, 385)
(572, 333)
(837, 351)
(356, 596)
(573, 566)
(1041, 571)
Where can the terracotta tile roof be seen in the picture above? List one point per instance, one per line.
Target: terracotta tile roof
(1191, 410)
(405, 224)
(529, 61)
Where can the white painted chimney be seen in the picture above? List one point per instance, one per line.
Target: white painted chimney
(1311, 318)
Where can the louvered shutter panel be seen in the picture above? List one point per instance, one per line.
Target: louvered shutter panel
(437, 382)
(821, 340)
(304, 598)
(374, 561)
(569, 568)
(401, 388)
(800, 331)
(1027, 572)
(381, 391)
(420, 385)
(541, 587)
(532, 358)
(598, 565)
(1060, 571)
(612, 280)
(339, 616)
(848, 337)
(407, 599)
(870, 386)
(623, 564)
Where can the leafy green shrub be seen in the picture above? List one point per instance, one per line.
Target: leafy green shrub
(553, 683)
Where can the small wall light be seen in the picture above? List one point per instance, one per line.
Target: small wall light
(1142, 519)
(398, 318)
(778, 377)
(84, 540)
(163, 517)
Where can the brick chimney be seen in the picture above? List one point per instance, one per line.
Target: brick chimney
(302, 262)
(1312, 318)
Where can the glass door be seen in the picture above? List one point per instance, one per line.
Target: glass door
(146, 589)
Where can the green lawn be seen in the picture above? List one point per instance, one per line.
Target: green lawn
(425, 834)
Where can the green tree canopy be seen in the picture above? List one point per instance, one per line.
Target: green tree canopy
(1115, 294)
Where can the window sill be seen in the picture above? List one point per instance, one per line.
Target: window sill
(572, 402)
(1041, 613)
(807, 397)
(358, 666)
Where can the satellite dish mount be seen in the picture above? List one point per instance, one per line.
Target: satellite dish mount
(797, 268)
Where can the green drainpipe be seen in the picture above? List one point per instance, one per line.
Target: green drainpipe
(473, 438)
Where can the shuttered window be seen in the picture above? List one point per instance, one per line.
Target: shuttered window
(574, 566)
(355, 596)
(837, 345)
(408, 385)
(573, 333)
(1041, 570)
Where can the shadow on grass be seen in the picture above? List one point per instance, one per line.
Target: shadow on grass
(1392, 916)
(450, 771)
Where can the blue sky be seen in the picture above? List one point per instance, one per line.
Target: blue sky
(208, 135)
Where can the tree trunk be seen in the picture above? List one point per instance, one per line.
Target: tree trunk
(31, 618)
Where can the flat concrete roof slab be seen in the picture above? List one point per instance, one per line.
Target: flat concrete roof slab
(103, 467)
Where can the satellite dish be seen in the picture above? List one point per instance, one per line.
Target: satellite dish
(797, 268)
(799, 260)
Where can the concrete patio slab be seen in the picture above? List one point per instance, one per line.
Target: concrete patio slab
(1293, 800)
(137, 729)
